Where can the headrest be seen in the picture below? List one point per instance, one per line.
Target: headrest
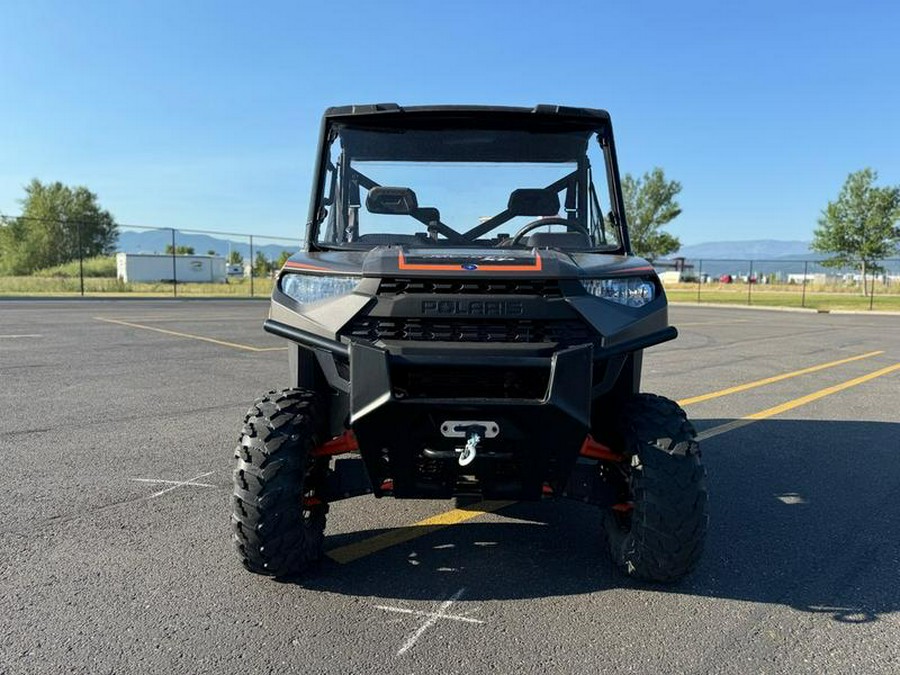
(533, 202)
(392, 200)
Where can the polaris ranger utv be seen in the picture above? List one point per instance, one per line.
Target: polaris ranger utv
(466, 319)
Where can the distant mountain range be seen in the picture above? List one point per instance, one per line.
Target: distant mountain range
(155, 241)
(766, 256)
(755, 249)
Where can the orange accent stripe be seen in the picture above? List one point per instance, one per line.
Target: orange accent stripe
(457, 267)
(303, 266)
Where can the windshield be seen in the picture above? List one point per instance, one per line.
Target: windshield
(465, 187)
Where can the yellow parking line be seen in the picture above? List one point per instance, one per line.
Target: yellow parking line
(189, 319)
(360, 549)
(773, 379)
(794, 403)
(202, 338)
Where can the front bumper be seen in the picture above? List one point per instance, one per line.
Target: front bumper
(538, 439)
(543, 420)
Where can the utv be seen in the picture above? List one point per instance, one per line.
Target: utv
(466, 319)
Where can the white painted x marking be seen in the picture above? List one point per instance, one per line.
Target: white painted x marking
(175, 484)
(431, 618)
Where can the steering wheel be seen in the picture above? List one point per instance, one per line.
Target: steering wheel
(540, 222)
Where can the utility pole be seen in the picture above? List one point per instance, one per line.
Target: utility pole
(251, 265)
(174, 268)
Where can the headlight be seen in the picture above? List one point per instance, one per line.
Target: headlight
(310, 287)
(634, 292)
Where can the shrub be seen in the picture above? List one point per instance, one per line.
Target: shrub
(100, 266)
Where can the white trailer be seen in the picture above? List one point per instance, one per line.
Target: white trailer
(816, 278)
(671, 277)
(152, 268)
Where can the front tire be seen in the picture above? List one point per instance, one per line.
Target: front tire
(658, 530)
(278, 521)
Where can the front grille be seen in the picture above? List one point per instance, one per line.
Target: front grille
(469, 382)
(562, 332)
(547, 288)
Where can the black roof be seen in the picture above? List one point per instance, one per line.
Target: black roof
(582, 122)
(455, 110)
(519, 142)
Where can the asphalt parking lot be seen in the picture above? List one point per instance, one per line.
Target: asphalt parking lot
(118, 423)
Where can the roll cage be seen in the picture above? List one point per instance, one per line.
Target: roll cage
(336, 199)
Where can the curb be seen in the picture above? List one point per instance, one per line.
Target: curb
(865, 312)
(78, 298)
(766, 308)
(799, 310)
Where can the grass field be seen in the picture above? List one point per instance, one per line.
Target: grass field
(107, 287)
(847, 298)
(100, 266)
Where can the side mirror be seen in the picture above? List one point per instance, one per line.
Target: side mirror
(392, 201)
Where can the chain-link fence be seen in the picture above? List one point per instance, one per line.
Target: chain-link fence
(782, 282)
(52, 257)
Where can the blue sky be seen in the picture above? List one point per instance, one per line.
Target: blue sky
(205, 114)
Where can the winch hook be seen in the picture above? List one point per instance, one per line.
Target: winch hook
(473, 438)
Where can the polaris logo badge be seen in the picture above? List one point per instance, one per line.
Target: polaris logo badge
(473, 307)
(469, 266)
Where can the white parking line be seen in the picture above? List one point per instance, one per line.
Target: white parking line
(14, 337)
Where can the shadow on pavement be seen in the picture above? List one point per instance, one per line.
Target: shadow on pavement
(803, 513)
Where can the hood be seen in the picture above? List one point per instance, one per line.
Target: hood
(397, 261)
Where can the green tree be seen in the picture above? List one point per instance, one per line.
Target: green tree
(13, 252)
(179, 250)
(860, 228)
(235, 258)
(261, 267)
(283, 258)
(650, 204)
(211, 251)
(58, 224)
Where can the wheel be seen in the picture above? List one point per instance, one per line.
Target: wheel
(657, 531)
(278, 521)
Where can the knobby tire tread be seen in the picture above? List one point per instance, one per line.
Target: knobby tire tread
(270, 530)
(662, 537)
